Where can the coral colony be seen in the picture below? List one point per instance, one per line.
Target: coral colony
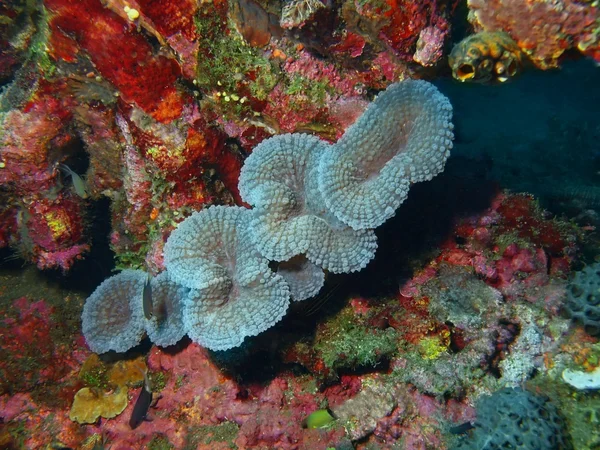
(313, 200)
(238, 184)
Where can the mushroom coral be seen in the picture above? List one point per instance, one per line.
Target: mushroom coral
(112, 317)
(304, 278)
(315, 206)
(403, 137)
(236, 293)
(165, 326)
(289, 217)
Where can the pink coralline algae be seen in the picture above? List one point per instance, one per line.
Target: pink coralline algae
(544, 30)
(55, 231)
(429, 46)
(45, 220)
(140, 95)
(455, 331)
(31, 354)
(528, 245)
(156, 104)
(400, 24)
(199, 402)
(27, 138)
(102, 86)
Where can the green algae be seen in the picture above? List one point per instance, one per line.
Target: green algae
(179, 381)
(207, 434)
(133, 257)
(94, 373)
(37, 62)
(38, 49)
(315, 91)
(348, 342)
(431, 347)
(506, 239)
(158, 381)
(160, 442)
(66, 313)
(226, 64)
(18, 432)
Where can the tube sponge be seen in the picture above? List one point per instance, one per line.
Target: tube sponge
(235, 293)
(112, 317)
(279, 179)
(403, 137)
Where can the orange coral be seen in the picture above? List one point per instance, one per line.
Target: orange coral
(542, 29)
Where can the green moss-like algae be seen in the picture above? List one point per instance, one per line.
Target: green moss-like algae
(207, 434)
(348, 342)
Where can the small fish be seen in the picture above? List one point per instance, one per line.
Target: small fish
(147, 298)
(462, 429)
(486, 57)
(322, 418)
(78, 183)
(142, 404)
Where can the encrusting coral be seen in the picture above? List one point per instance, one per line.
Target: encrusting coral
(315, 206)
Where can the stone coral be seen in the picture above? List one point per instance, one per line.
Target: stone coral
(314, 207)
(165, 327)
(404, 137)
(237, 294)
(280, 179)
(112, 317)
(304, 278)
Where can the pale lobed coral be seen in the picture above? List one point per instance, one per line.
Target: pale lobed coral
(236, 293)
(165, 327)
(112, 317)
(304, 278)
(280, 180)
(404, 137)
(312, 201)
(224, 313)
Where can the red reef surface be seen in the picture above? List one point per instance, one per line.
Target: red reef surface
(121, 55)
